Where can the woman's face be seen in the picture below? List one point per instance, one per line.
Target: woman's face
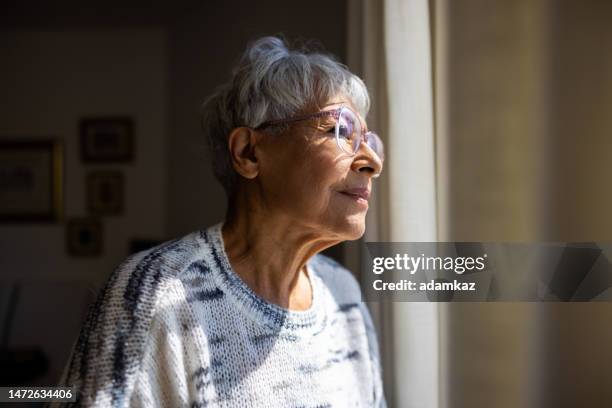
(305, 176)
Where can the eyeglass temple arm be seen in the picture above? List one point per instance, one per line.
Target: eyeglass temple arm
(334, 112)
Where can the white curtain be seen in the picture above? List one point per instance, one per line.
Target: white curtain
(394, 54)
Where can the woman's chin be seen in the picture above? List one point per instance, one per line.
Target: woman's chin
(352, 228)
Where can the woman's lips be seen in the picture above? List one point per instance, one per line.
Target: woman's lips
(358, 194)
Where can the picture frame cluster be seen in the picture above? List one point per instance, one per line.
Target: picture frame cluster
(103, 141)
(32, 179)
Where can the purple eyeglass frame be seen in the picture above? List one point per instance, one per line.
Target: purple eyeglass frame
(335, 113)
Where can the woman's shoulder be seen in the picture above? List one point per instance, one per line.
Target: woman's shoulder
(115, 332)
(339, 280)
(146, 271)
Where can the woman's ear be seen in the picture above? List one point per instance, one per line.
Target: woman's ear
(241, 144)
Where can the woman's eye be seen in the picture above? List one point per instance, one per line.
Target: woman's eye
(344, 132)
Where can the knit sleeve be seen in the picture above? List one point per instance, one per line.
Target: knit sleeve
(157, 383)
(96, 367)
(113, 342)
(379, 397)
(346, 289)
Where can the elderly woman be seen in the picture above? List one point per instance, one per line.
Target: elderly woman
(247, 313)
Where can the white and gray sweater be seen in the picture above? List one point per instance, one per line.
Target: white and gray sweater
(176, 327)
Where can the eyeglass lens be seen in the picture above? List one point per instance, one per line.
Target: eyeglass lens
(349, 134)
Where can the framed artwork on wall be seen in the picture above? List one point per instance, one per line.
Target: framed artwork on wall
(105, 192)
(84, 237)
(107, 139)
(31, 180)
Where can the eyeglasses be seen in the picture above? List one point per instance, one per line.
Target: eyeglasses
(348, 129)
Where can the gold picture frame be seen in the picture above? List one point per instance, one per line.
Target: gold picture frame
(31, 180)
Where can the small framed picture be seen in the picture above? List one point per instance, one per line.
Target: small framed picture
(84, 237)
(105, 192)
(31, 178)
(107, 140)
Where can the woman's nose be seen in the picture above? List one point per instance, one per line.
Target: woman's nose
(366, 160)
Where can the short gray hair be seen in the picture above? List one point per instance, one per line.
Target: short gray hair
(271, 82)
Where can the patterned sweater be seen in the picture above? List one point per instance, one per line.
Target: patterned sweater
(176, 327)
